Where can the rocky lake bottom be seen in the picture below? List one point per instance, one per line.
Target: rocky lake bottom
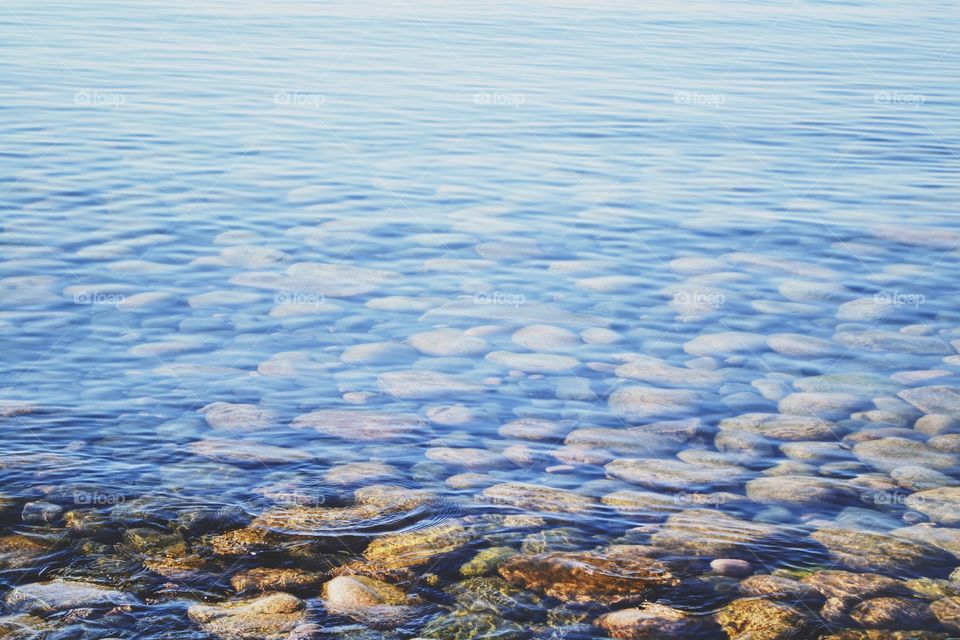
(459, 323)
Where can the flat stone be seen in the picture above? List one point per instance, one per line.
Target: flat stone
(468, 457)
(545, 337)
(534, 362)
(247, 452)
(360, 425)
(535, 429)
(417, 384)
(378, 353)
(766, 264)
(656, 371)
(361, 472)
(782, 427)
(801, 346)
(946, 538)
(893, 342)
(311, 278)
(64, 595)
(798, 490)
(941, 505)
(271, 617)
(447, 342)
(519, 312)
(673, 474)
(941, 400)
(830, 406)
(860, 384)
(725, 344)
(887, 454)
(624, 441)
(917, 478)
(238, 417)
(869, 309)
(641, 403)
(711, 533)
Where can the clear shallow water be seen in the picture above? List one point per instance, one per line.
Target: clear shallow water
(167, 169)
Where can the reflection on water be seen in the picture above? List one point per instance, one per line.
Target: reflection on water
(462, 321)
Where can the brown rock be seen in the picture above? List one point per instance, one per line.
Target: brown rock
(609, 577)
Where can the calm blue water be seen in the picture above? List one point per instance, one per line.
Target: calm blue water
(216, 201)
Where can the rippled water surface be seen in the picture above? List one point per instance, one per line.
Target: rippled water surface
(529, 312)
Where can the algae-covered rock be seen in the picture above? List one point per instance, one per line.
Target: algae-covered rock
(18, 551)
(947, 612)
(372, 505)
(525, 495)
(775, 587)
(877, 634)
(468, 625)
(654, 622)
(850, 586)
(892, 613)
(883, 553)
(758, 619)
(414, 548)
(274, 579)
(493, 594)
(610, 576)
(486, 561)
